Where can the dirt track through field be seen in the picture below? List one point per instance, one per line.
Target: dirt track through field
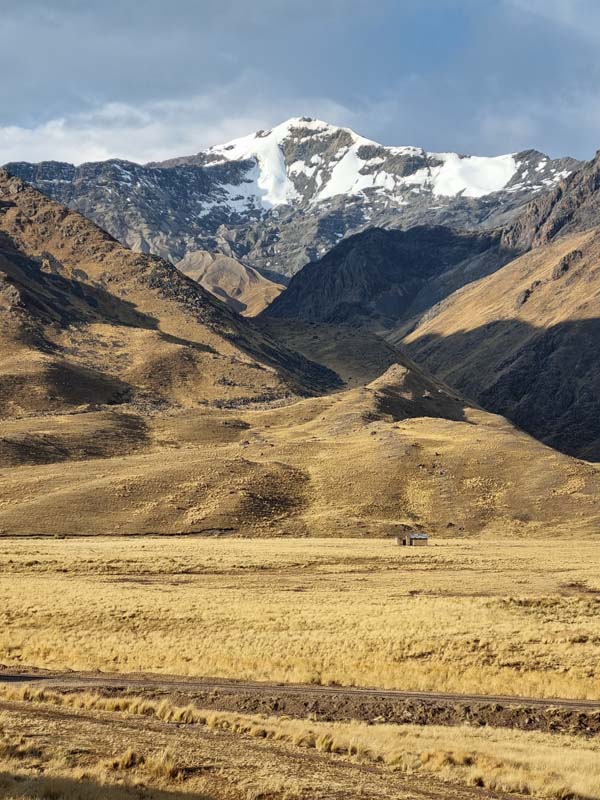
(82, 680)
(335, 703)
(337, 777)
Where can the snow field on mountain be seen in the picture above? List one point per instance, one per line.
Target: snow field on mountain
(346, 172)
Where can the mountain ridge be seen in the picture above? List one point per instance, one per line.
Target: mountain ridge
(132, 401)
(378, 277)
(513, 325)
(277, 199)
(75, 301)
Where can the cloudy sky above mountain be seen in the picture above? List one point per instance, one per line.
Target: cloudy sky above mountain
(91, 80)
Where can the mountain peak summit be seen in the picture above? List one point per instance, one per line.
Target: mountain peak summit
(310, 161)
(280, 197)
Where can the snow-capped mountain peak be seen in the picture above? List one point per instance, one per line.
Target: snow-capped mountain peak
(278, 198)
(310, 161)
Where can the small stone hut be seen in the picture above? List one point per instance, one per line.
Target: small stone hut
(413, 539)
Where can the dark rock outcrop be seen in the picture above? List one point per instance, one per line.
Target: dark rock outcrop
(379, 278)
(572, 206)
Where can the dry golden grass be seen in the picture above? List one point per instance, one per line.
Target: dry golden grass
(544, 765)
(363, 462)
(27, 787)
(162, 765)
(91, 753)
(65, 784)
(480, 616)
(31, 772)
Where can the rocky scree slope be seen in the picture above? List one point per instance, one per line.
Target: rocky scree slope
(280, 198)
(571, 206)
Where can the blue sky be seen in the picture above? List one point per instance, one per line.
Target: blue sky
(84, 79)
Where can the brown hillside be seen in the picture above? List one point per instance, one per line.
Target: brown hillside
(371, 461)
(134, 402)
(524, 342)
(242, 288)
(355, 354)
(87, 321)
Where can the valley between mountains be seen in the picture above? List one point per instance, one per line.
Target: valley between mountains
(227, 382)
(134, 402)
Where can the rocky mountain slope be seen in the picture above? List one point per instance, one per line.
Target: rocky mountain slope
(86, 321)
(244, 289)
(380, 278)
(573, 205)
(508, 317)
(278, 199)
(524, 342)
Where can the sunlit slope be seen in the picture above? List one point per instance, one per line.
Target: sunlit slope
(368, 461)
(524, 342)
(86, 321)
(134, 402)
(242, 288)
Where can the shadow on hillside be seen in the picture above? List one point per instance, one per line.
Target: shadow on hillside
(545, 380)
(388, 276)
(417, 397)
(41, 786)
(54, 294)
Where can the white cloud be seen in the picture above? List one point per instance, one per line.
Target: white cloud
(156, 130)
(414, 112)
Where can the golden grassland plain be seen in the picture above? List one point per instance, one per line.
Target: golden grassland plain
(553, 766)
(480, 615)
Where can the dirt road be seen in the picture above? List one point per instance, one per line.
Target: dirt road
(215, 765)
(212, 764)
(335, 703)
(169, 683)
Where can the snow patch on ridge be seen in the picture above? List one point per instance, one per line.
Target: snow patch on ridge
(273, 186)
(473, 176)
